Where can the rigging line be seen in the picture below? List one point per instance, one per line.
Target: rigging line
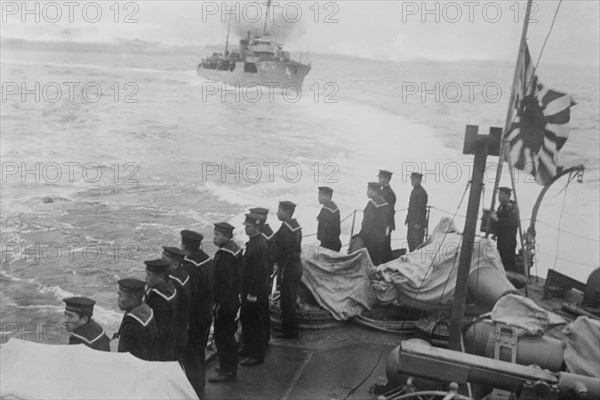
(571, 177)
(444, 238)
(448, 212)
(562, 210)
(547, 37)
(355, 388)
(570, 261)
(568, 232)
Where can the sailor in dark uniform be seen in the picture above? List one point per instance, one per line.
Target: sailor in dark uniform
(82, 328)
(390, 197)
(254, 279)
(328, 228)
(287, 249)
(181, 280)
(200, 268)
(507, 224)
(161, 296)
(416, 218)
(138, 333)
(268, 234)
(375, 222)
(227, 301)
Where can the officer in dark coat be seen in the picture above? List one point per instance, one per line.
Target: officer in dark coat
(200, 268)
(416, 218)
(375, 222)
(227, 301)
(328, 228)
(287, 249)
(390, 197)
(82, 328)
(268, 234)
(161, 296)
(181, 280)
(507, 224)
(138, 333)
(254, 278)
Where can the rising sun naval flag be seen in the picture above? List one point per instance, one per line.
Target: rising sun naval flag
(541, 125)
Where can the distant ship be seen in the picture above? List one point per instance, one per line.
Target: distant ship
(260, 60)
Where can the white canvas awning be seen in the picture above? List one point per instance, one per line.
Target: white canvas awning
(39, 371)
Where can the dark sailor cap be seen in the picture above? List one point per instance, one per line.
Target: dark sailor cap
(287, 205)
(505, 189)
(416, 175)
(385, 174)
(259, 211)
(132, 285)
(80, 305)
(254, 219)
(224, 227)
(158, 266)
(374, 186)
(173, 252)
(326, 189)
(192, 236)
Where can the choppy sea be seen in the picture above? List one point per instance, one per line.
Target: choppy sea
(120, 151)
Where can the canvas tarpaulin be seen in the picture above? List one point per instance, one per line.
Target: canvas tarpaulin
(340, 282)
(41, 371)
(427, 276)
(582, 353)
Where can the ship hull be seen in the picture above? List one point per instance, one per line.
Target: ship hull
(270, 74)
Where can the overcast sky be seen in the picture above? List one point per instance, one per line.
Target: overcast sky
(398, 30)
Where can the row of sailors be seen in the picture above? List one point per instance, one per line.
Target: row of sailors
(168, 316)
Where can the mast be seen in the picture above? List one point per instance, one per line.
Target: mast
(267, 17)
(227, 38)
(509, 114)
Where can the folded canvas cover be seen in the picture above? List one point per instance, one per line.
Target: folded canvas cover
(41, 371)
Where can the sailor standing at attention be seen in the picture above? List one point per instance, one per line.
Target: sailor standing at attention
(507, 225)
(416, 218)
(288, 241)
(375, 222)
(181, 280)
(201, 269)
(138, 333)
(268, 234)
(227, 301)
(328, 229)
(390, 197)
(254, 278)
(161, 296)
(82, 328)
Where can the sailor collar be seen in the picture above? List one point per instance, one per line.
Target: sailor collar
(176, 278)
(142, 314)
(165, 296)
(292, 225)
(231, 248)
(197, 264)
(83, 338)
(378, 201)
(331, 207)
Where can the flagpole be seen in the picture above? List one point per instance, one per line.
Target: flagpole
(509, 114)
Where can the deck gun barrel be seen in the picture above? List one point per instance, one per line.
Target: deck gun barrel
(419, 359)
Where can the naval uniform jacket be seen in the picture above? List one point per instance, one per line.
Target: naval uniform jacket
(201, 269)
(328, 230)
(256, 262)
(227, 276)
(417, 208)
(288, 245)
(267, 233)
(92, 335)
(181, 280)
(508, 224)
(375, 221)
(390, 197)
(163, 301)
(138, 333)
